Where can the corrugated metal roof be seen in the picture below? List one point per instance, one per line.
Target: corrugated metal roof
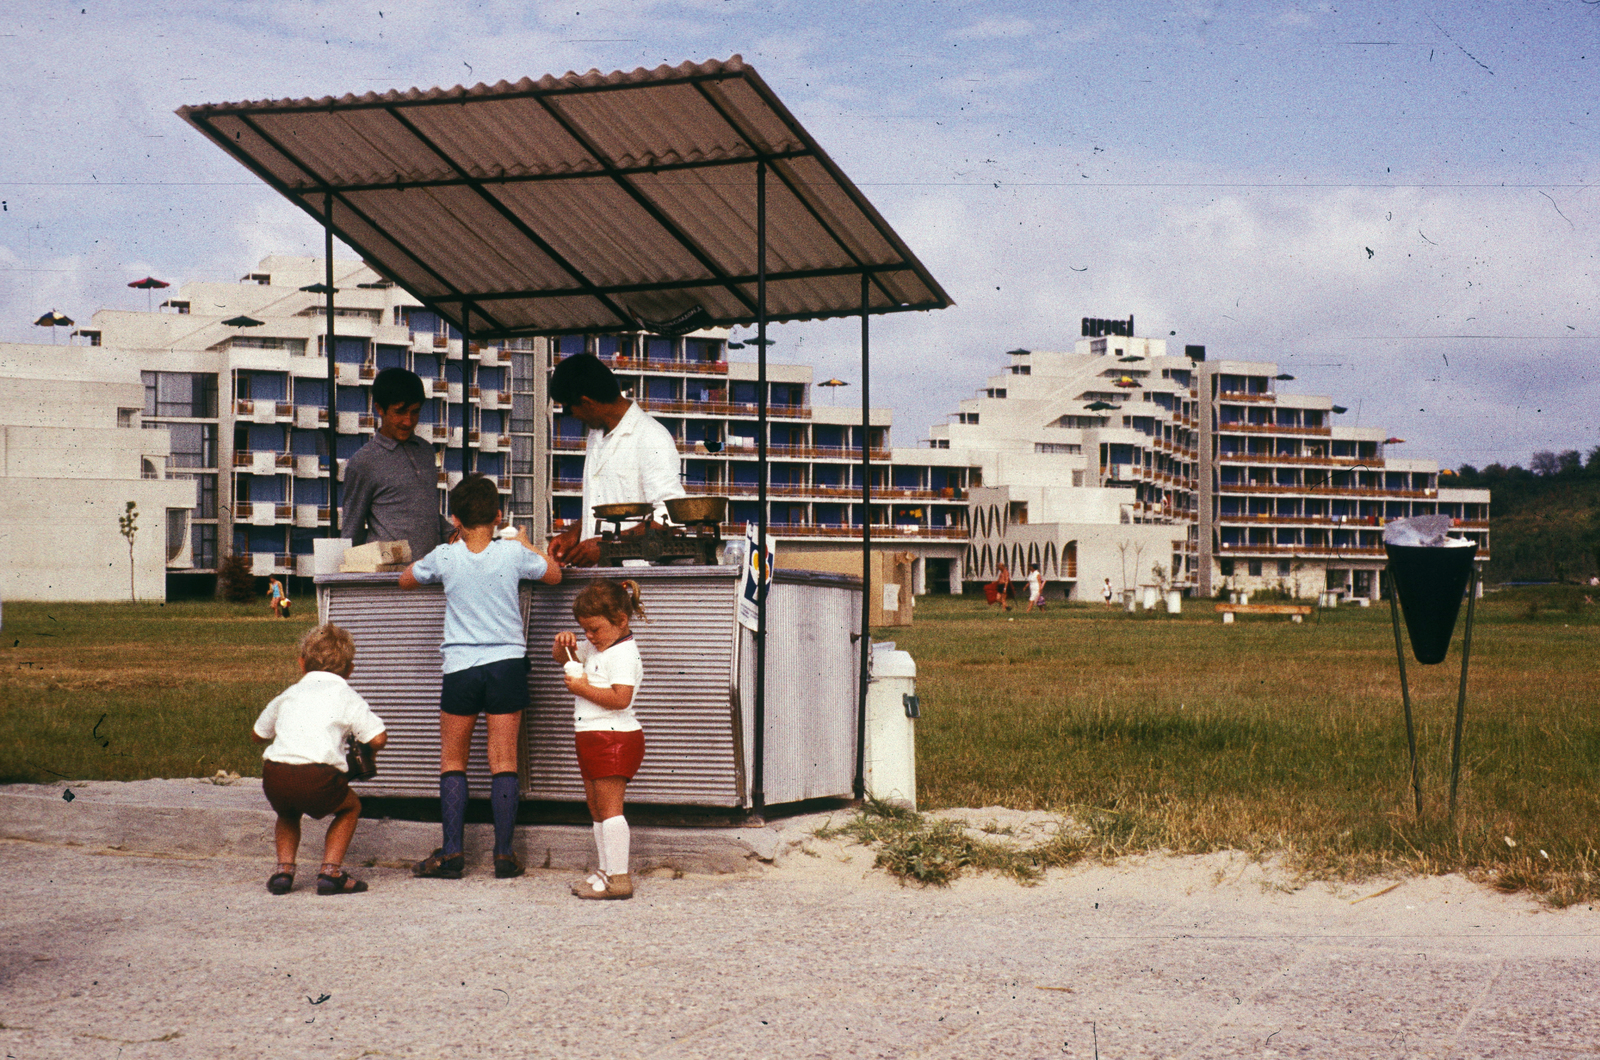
(587, 202)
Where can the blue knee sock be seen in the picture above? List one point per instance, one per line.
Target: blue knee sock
(453, 810)
(503, 800)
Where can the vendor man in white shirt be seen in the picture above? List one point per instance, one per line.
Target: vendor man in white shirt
(629, 458)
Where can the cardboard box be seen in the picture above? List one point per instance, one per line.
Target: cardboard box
(376, 556)
(890, 588)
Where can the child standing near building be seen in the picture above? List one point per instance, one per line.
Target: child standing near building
(604, 675)
(485, 666)
(302, 769)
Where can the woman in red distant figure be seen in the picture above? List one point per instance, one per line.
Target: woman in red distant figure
(999, 590)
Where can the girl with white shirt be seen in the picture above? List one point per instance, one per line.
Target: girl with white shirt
(604, 677)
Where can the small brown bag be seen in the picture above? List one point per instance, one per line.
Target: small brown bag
(361, 761)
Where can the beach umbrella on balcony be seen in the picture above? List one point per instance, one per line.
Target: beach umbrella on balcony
(319, 288)
(831, 384)
(1127, 382)
(1099, 406)
(53, 320)
(148, 284)
(1394, 441)
(243, 322)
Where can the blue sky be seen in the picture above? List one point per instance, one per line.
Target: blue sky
(1395, 201)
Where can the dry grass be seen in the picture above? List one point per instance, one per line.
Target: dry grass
(1183, 734)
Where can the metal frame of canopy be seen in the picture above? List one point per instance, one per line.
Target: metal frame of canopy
(631, 201)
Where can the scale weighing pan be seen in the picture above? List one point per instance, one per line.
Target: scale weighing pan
(631, 510)
(698, 509)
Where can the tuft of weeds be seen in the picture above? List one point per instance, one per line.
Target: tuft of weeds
(931, 852)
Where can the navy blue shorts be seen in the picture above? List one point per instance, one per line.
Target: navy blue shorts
(493, 688)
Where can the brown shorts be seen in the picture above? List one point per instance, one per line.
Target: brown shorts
(610, 754)
(313, 790)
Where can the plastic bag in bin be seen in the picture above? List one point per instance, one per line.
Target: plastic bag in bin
(1430, 570)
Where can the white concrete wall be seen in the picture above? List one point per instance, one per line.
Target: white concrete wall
(59, 538)
(81, 452)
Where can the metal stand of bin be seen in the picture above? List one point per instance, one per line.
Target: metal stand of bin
(1426, 583)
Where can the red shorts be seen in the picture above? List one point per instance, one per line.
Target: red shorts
(610, 754)
(313, 790)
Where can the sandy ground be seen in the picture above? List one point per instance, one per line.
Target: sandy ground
(115, 955)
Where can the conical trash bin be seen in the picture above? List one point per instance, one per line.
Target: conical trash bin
(1430, 582)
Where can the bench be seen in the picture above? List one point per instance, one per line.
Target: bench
(1296, 612)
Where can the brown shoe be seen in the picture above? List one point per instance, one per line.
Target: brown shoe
(618, 886)
(596, 881)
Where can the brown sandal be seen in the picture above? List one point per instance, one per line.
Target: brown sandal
(339, 883)
(280, 882)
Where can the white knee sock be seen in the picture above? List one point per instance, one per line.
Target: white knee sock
(616, 834)
(600, 845)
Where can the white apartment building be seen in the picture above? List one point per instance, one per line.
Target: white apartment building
(1118, 458)
(72, 457)
(236, 373)
(246, 406)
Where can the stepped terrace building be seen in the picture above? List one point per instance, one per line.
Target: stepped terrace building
(1121, 461)
(247, 408)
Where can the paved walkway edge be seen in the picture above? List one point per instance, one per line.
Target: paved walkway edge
(185, 827)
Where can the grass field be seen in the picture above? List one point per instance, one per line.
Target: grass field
(1181, 733)
(130, 691)
(1152, 731)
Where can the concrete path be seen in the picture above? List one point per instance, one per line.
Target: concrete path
(113, 954)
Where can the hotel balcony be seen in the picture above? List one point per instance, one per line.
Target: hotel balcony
(262, 411)
(432, 432)
(642, 364)
(740, 410)
(1268, 428)
(1324, 490)
(266, 564)
(263, 462)
(310, 515)
(1368, 463)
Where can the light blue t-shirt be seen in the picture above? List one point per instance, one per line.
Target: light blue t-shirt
(482, 616)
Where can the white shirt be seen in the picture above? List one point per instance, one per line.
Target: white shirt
(309, 721)
(637, 461)
(1035, 585)
(617, 665)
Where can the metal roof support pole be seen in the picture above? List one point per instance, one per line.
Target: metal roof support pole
(332, 430)
(763, 576)
(466, 343)
(860, 785)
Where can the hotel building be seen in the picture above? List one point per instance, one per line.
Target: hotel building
(1122, 462)
(246, 405)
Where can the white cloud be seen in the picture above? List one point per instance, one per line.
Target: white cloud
(995, 29)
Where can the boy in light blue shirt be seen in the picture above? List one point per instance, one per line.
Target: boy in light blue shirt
(485, 665)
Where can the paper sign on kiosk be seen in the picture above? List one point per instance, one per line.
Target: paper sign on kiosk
(757, 571)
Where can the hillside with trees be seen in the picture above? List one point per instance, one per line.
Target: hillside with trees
(1544, 519)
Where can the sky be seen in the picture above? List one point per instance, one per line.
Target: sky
(1398, 203)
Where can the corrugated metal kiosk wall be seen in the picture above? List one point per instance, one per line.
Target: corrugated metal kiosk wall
(397, 635)
(695, 714)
